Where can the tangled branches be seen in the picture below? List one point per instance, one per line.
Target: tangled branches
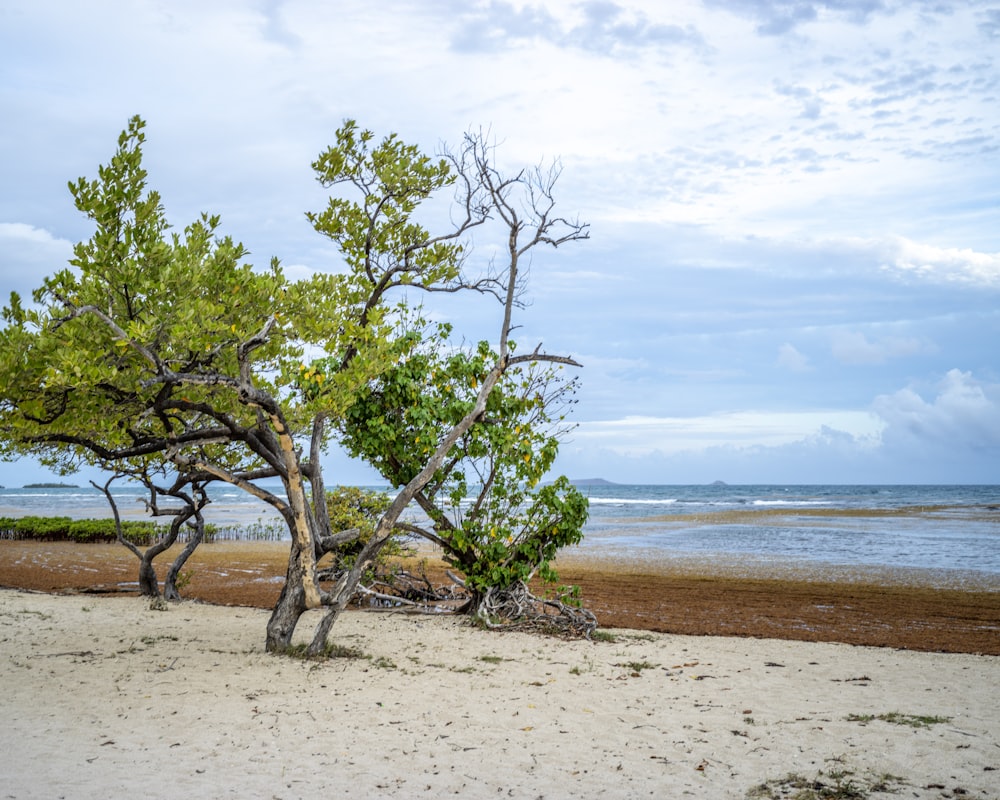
(512, 608)
(516, 608)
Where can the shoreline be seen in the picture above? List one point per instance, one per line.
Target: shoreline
(892, 609)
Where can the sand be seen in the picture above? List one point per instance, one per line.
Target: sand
(104, 697)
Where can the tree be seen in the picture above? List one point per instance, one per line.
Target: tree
(162, 352)
(511, 530)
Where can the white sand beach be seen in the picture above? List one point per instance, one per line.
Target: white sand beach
(103, 697)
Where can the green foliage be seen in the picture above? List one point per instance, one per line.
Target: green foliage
(353, 507)
(514, 528)
(161, 351)
(84, 531)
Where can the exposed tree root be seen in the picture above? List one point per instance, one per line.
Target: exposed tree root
(516, 608)
(513, 608)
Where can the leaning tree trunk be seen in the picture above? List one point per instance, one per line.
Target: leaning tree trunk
(347, 585)
(170, 582)
(290, 607)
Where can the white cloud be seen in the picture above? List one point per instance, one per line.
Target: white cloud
(853, 347)
(952, 264)
(27, 253)
(791, 359)
(640, 436)
(964, 415)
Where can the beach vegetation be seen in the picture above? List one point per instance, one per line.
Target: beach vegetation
(897, 718)
(329, 650)
(82, 531)
(637, 666)
(833, 785)
(162, 357)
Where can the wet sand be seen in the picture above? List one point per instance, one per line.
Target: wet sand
(912, 609)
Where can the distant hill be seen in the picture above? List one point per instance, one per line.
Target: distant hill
(592, 482)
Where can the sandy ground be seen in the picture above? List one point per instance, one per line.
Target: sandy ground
(103, 697)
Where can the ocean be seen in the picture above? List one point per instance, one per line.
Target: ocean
(950, 531)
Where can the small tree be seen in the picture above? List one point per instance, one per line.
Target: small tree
(486, 510)
(512, 530)
(165, 349)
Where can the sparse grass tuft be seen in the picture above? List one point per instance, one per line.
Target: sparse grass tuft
(332, 650)
(840, 785)
(637, 666)
(895, 718)
(602, 636)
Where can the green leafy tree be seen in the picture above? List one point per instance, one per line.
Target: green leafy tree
(511, 530)
(162, 353)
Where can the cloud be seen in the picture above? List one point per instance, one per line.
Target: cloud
(989, 24)
(27, 252)
(778, 17)
(853, 347)
(791, 359)
(964, 415)
(642, 436)
(598, 26)
(949, 264)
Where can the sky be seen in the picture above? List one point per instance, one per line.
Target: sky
(793, 271)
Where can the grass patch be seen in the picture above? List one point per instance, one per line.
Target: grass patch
(492, 659)
(602, 636)
(637, 666)
(895, 718)
(825, 786)
(331, 650)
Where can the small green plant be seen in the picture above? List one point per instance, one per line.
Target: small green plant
(384, 663)
(183, 579)
(602, 636)
(578, 670)
(895, 718)
(492, 659)
(637, 666)
(331, 650)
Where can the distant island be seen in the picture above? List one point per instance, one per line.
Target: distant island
(592, 482)
(718, 483)
(50, 486)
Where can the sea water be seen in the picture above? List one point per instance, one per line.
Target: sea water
(944, 528)
(910, 527)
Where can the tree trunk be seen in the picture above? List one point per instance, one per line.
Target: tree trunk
(170, 582)
(148, 584)
(344, 590)
(290, 607)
